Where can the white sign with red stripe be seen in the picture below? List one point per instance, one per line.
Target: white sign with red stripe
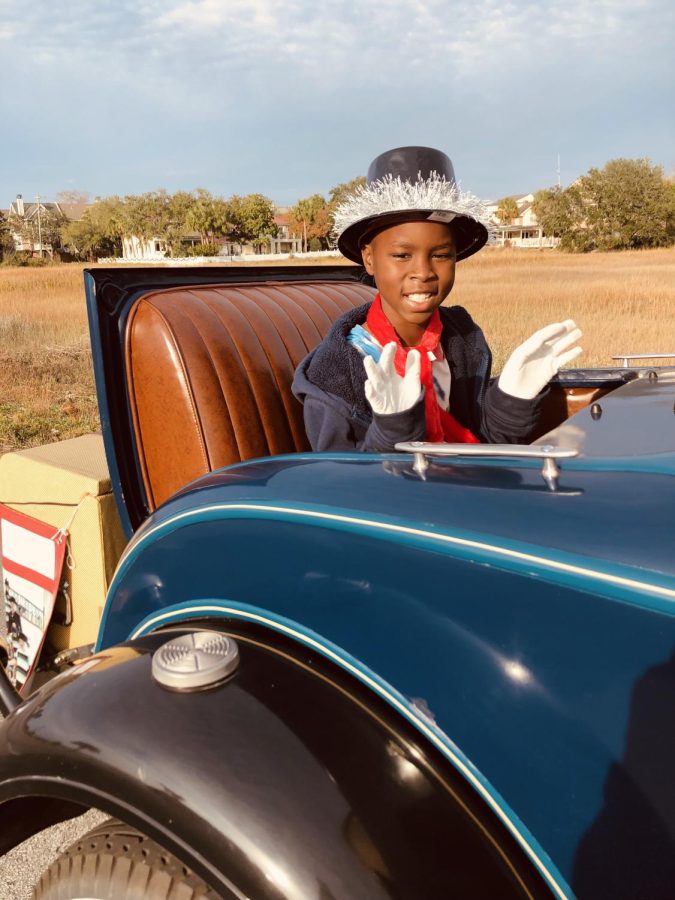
(32, 559)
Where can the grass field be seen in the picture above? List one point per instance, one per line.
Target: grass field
(624, 302)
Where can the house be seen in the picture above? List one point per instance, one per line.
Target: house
(156, 249)
(73, 211)
(135, 249)
(31, 239)
(523, 230)
(284, 242)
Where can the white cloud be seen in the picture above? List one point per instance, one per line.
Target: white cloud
(203, 15)
(351, 40)
(277, 73)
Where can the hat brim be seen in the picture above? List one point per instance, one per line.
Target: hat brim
(469, 234)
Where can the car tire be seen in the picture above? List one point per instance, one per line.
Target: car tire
(114, 861)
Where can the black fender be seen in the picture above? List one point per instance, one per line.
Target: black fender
(288, 780)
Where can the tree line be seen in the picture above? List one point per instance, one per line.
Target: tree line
(312, 217)
(628, 204)
(172, 218)
(625, 205)
(175, 219)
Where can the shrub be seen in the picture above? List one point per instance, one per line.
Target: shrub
(627, 205)
(23, 258)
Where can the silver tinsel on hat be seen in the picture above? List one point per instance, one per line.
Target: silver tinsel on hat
(391, 194)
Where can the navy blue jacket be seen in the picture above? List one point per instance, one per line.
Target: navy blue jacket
(330, 383)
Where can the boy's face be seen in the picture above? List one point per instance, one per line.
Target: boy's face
(413, 265)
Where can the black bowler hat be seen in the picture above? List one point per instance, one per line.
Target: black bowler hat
(410, 184)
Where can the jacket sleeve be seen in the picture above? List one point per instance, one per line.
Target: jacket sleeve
(476, 399)
(328, 428)
(509, 420)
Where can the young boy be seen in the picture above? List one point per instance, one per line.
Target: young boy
(403, 367)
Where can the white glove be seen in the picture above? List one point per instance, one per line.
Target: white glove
(386, 390)
(532, 365)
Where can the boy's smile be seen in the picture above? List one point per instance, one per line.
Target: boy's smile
(413, 265)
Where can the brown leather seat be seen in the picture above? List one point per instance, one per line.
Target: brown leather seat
(564, 401)
(209, 373)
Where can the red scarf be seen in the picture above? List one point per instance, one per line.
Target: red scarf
(441, 426)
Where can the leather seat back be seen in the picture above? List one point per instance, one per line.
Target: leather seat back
(209, 372)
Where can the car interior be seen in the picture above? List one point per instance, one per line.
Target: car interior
(209, 371)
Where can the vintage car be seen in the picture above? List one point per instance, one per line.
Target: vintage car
(447, 672)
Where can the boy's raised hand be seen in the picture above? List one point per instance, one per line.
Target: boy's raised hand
(532, 365)
(386, 390)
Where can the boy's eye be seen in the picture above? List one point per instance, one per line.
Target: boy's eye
(439, 255)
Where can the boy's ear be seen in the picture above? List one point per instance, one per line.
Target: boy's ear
(367, 256)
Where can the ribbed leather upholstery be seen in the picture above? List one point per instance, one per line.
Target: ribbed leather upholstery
(563, 401)
(209, 373)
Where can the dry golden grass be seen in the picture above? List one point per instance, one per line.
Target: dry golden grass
(46, 382)
(624, 302)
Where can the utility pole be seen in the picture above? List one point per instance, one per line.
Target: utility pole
(558, 171)
(37, 200)
(304, 229)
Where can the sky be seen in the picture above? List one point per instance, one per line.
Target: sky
(290, 97)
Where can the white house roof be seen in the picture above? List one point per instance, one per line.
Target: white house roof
(30, 209)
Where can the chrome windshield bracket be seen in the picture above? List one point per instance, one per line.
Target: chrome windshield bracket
(550, 470)
(420, 465)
